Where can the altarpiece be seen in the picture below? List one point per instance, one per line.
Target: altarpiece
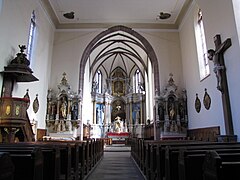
(171, 112)
(118, 112)
(62, 117)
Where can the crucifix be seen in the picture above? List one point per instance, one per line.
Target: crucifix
(219, 69)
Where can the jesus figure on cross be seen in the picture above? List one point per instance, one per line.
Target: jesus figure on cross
(212, 56)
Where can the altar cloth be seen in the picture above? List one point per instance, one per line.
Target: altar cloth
(118, 135)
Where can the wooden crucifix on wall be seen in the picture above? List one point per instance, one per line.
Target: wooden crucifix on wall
(220, 70)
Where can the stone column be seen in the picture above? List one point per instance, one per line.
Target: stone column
(69, 109)
(130, 118)
(105, 113)
(80, 129)
(58, 107)
(108, 113)
(141, 112)
(127, 114)
(94, 112)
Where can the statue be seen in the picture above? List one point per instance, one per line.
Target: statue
(161, 112)
(94, 86)
(63, 108)
(118, 124)
(74, 111)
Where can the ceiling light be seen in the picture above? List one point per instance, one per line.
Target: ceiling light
(163, 15)
(69, 15)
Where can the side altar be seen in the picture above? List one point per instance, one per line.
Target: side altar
(62, 119)
(171, 112)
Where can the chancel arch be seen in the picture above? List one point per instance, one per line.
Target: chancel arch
(118, 53)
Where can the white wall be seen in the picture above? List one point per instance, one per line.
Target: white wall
(166, 45)
(15, 21)
(215, 22)
(1, 6)
(67, 52)
(236, 7)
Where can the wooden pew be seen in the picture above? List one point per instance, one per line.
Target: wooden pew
(99, 149)
(81, 164)
(28, 163)
(6, 167)
(68, 152)
(76, 168)
(221, 166)
(155, 156)
(84, 155)
(138, 152)
(152, 154)
(64, 159)
(192, 156)
(51, 157)
(91, 153)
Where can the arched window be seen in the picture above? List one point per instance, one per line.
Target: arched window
(99, 81)
(31, 36)
(201, 47)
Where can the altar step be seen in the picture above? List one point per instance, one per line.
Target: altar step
(117, 148)
(119, 141)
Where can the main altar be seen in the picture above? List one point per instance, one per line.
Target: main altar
(119, 133)
(118, 112)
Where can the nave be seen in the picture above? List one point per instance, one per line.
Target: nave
(116, 164)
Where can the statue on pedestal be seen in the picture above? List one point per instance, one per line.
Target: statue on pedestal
(63, 109)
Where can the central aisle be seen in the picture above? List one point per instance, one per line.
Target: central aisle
(116, 164)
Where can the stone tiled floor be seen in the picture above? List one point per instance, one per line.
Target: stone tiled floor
(116, 164)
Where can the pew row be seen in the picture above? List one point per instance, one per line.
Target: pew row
(6, 167)
(28, 163)
(221, 165)
(160, 159)
(59, 160)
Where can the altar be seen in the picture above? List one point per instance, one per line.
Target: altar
(62, 118)
(118, 137)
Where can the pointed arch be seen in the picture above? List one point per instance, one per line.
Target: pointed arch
(90, 47)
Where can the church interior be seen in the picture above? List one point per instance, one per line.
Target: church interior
(79, 77)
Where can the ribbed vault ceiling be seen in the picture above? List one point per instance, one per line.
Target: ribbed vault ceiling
(118, 50)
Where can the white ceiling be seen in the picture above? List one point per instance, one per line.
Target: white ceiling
(120, 50)
(139, 13)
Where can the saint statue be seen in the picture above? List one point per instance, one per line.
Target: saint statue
(64, 109)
